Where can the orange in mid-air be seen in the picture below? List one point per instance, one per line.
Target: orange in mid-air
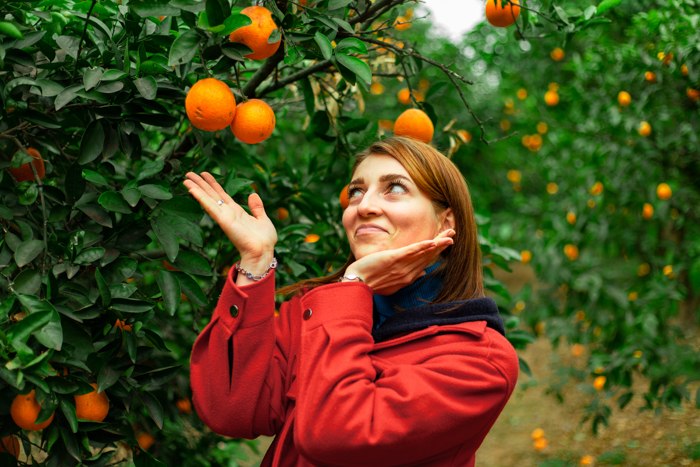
(644, 129)
(414, 123)
(500, 14)
(254, 121)
(663, 191)
(210, 105)
(599, 382)
(25, 410)
(571, 251)
(647, 211)
(24, 172)
(650, 76)
(525, 256)
(344, 199)
(255, 35)
(557, 54)
(92, 406)
(551, 98)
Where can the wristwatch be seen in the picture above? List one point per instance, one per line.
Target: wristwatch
(351, 277)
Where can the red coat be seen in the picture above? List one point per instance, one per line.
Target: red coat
(314, 377)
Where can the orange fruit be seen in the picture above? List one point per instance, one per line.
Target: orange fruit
(577, 350)
(24, 411)
(311, 238)
(666, 59)
(404, 96)
(571, 217)
(414, 123)
(644, 129)
(535, 143)
(423, 84)
(522, 94)
(668, 269)
(145, 441)
(401, 27)
(557, 54)
(599, 382)
(254, 121)
(255, 35)
(169, 266)
(597, 188)
(526, 256)
(537, 433)
(663, 191)
(586, 460)
(501, 15)
(121, 325)
(184, 405)
(632, 296)
(643, 269)
(92, 406)
(514, 176)
(282, 214)
(647, 211)
(376, 88)
(161, 18)
(540, 444)
(344, 199)
(580, 315)
(505, 125)
(650, 76)
(571, 251)
(386, 125)
(464, 135)
(10, 445)
(552, 188)
(684, 70)
(542, 128)
(210, 105)
(693, 94)
(24, 172)
(624, 98)
(551, 98)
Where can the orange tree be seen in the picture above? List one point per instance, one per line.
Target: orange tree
(109, 267)
(598, 180)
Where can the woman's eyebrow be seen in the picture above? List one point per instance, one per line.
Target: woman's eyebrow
(383, 178)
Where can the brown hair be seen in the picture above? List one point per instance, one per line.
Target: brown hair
(441, 181)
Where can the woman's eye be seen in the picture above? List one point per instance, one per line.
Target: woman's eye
(391, 186)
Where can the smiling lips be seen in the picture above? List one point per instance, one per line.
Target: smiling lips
(369, 228)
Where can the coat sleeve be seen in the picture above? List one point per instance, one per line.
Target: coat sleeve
(351, 416)
(239, 361)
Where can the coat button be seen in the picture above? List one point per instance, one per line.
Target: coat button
(307, 313)
(234, 310)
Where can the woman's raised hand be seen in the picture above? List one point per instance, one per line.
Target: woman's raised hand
(388, 271)
(253, 236)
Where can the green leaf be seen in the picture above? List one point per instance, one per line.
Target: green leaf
(167, 238)
(216, 12)
(6, 306)
(154, 8)
(67, 95)
(27, 282)
(51, 334)
(27, 192)
(97, 214)
(89, 255)
(184, 47)
(107, 377)
(324, 44)
(10, 29)
(68, 410)
(49, 88)
(181, 228)
(92, 143)
(75, 183)
(606, 5)
(180, 206)
(357, 66)
(155, 192)
(132, 196)
(351, 45)
(153, 407)
(158, 377)
(92, 77)
(103, 288)
(436, 89)
(234, 22)
(147, 86)
(192, 263)
(191, 289)
(94, 177)
(335, 4)
(112, 201)
(19, 332)
(41, 119)
(150, 168)
(524, 367)
(170, 288)
(120, 270)
(193, 6)
(129, 305)
(112, 75)
(309, 101)
(27, 251)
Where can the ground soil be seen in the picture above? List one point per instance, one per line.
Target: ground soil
(633, 438)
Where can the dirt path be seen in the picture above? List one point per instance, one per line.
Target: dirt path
(634, 438)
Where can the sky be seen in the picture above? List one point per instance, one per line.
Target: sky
(454, 17)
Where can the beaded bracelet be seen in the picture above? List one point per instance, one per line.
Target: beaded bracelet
(256, 277)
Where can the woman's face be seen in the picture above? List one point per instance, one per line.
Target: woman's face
(403, 214)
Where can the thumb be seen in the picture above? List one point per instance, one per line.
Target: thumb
(256, 206)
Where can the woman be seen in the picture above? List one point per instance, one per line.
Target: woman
(397, 359)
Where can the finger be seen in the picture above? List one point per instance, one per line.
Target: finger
(209, 205)
(204, 185)
(217, 188)
(257, 209)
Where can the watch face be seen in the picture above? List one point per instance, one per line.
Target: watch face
(352, 276)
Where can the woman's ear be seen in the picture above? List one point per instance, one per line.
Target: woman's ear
(447, 220)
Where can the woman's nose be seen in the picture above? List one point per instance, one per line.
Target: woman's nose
(368, 205)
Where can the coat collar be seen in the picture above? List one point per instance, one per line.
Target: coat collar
(415, 319)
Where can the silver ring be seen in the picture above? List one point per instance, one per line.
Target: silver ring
(220, 202)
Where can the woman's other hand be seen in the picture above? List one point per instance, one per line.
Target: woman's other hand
(254, 235)
(386, 272)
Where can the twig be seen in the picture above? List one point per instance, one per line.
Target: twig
(80, 46)
(238, 82)
(296, 76)
(408, 83)
(201, 59)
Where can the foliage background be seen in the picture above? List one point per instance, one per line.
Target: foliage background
(98, 88)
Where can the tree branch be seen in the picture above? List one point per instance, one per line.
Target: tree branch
(296, 77)
(80, 46)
